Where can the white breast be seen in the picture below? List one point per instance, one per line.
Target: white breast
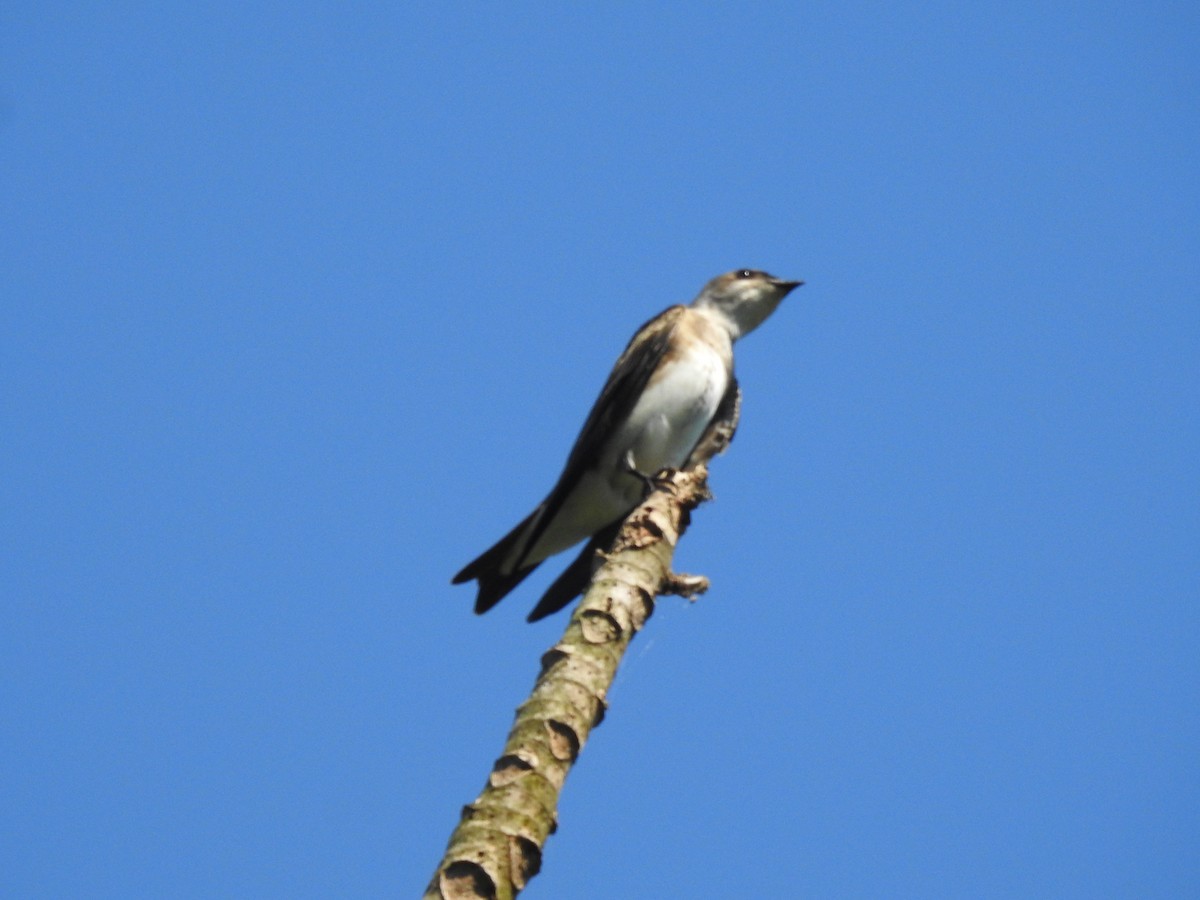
(674, 410)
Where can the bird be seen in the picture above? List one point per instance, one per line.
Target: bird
(670, 387)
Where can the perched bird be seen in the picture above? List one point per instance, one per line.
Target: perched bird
(671, 385)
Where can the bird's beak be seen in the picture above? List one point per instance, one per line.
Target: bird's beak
(787, 286)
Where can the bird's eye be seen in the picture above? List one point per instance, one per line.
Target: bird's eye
(745, 273)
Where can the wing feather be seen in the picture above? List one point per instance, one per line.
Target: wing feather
(617, 399)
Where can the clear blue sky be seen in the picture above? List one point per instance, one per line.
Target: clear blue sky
(304, 304)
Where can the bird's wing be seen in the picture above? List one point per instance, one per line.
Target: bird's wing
(616, 401)
(720, 431)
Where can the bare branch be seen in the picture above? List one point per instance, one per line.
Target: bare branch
(497, 846)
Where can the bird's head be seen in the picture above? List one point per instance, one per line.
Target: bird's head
(743, 299)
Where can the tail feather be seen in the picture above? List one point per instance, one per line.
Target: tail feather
(494, 587)
(575, 577)
(493, 584)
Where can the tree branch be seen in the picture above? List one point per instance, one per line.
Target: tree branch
(497, 846)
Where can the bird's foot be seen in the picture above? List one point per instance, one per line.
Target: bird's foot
(650, 483)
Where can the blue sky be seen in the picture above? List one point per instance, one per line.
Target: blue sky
(303, 306)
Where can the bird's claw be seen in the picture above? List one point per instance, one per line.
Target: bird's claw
(650, 483)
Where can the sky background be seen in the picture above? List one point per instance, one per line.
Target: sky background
(303, 305)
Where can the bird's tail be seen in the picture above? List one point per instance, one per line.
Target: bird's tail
(486, 568)
(575, 577)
